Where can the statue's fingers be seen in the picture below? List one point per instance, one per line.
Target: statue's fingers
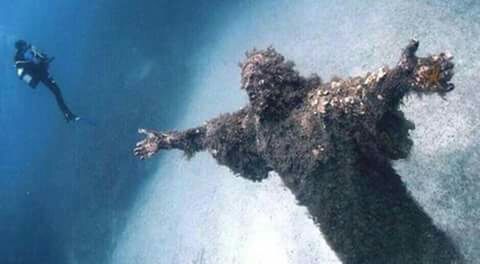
(413, 45)
(408, 59)
(136, 153)
(146, 132)
(450, 87)
(447, 75)
(140, 143)
(139, 151)
(448, 55)
(449, 65)
(138, 147)
(411, 48)
(445, 88)
(446, 65)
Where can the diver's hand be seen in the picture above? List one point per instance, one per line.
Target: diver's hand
(153, 142)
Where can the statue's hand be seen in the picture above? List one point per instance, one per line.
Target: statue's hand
(430, 74)
(433, 74)
(153, 142)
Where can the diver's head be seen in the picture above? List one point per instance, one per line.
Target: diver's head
(21, 44)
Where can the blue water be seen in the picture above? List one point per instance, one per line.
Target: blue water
(65, 189)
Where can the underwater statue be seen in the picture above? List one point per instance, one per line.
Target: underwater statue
(333, 145)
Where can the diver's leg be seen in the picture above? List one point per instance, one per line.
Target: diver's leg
(52, 85)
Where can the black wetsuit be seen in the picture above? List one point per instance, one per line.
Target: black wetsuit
(32, 67)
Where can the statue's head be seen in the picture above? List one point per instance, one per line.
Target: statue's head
(271, 83)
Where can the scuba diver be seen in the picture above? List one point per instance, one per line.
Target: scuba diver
(32, 67)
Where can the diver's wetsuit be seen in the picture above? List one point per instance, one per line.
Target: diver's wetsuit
(32, 67)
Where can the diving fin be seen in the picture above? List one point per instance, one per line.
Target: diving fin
(85, 120)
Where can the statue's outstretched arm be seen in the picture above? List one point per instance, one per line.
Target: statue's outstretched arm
(190, 141)
(430, 74)
(230, 138)
(421, 75)
(374, 94)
